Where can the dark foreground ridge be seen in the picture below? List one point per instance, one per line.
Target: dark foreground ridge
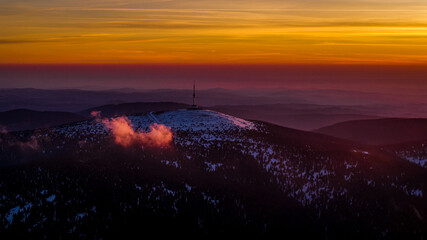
(221, 176)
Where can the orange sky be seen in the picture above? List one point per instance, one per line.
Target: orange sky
(223, 32)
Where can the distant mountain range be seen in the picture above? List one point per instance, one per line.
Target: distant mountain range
(361, 103)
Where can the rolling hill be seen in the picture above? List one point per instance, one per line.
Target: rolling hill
(299, 116)
(24, 119)
(379, 131)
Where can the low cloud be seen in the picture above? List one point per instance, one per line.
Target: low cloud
(96, 114)
(159, 135)
(32, 144)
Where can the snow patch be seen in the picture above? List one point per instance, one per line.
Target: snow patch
(420, 161)
(202, 120)
(360, 151)
(212, 167)
(51, 198)
(417, 192)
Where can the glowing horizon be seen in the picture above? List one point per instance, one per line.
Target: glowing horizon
(203, 32)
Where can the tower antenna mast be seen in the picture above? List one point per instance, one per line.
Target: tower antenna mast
(194, 106)
(194, 93)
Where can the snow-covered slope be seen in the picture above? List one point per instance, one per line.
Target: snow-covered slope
(415, 152)
(179, 120)
(306, 174)
(204, 126)
(202, 120)
(193, 120)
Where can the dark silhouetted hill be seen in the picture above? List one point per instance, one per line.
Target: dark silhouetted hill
(379, 131)
(298, 116)
(24, 119)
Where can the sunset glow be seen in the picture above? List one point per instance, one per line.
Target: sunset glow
(214, 32)
(305, 119)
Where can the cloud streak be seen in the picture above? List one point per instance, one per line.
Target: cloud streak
(211, 31)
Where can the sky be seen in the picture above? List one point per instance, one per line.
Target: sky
(355, 32)
(367, 45)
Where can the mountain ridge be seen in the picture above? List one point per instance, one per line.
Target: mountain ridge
(220, 174)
